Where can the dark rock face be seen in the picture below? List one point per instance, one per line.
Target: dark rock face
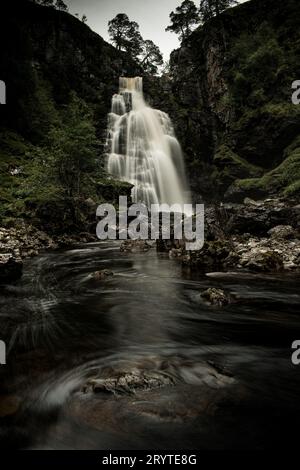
(258, 219)
(222, 95)
(49, 51)
(245, 236)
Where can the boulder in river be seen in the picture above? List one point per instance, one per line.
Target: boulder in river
(129, 382)
(103, 274)
(216, 297)
(136, 246)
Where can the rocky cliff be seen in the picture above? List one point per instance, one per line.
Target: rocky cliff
(60, 77)
(50, 51)
(229, 95)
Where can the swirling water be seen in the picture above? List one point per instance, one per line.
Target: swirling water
(235, 384)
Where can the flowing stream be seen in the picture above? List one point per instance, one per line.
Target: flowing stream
(143, 150)
(234, 383)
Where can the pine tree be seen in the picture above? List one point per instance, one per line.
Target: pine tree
(151, 57)
(183, 19)
(125, 34)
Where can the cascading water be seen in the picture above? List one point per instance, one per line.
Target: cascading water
(143, 150)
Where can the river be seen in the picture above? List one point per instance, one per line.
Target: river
(234, 383)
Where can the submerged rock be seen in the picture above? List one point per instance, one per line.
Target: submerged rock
(103, 274)
(136, 246)
(216, 297)
(129, 382)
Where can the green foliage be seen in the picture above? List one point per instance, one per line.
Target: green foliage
(257, 61)
(52, 180)
(183, 20)
(13, 158)
(226, 158)
(285, 178)
(63, 168)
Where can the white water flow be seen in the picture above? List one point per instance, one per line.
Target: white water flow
(143, 149)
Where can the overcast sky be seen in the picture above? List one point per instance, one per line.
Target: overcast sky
(151, 15)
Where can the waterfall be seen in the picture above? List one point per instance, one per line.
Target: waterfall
(143, 150)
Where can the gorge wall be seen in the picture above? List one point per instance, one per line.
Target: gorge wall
(59, 75)
(229, 94)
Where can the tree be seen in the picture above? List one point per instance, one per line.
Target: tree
(47, 3)
(75, 147)
(183, 19)
(133, 43)
(151, 57)
(84, 19)
(210, 8)
(60, 5)
(125, 34)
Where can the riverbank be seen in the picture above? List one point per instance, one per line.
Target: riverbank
(24, 241)
(259, 236)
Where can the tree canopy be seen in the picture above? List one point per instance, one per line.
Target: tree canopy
(58, 4)
(125, 36)
(210, 8)
(151, 57)
(183, 19)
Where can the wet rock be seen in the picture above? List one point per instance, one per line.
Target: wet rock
(267, 254)
(103, 274)
(10, 267)
(251, 202)
(216, 297)
(25, 240)
(136, 246)
(257, 219)
(252, 236)
(129, 382)
(213, 254)
(282, 232)
(265, 261)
